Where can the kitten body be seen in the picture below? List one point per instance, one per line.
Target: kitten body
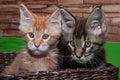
(41, 34)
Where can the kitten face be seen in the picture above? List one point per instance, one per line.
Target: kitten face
(84, 49)
(86, 46)
(41, 31)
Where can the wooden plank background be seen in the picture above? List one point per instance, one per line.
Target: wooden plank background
(9, 13)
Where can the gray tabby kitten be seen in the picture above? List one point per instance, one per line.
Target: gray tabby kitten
(82, 40)
(89, 38)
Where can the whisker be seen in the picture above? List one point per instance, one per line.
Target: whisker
(91, 63)
(95, 62)
(98, 60)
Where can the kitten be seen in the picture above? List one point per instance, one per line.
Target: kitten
(89, 38)
(41, 34)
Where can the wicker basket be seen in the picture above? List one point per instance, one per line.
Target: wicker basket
(109, 72)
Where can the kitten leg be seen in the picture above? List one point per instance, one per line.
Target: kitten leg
(13, 68)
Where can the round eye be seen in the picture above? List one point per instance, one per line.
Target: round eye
(72, 43)
(45, 36)
(87, 43)
(31, 34)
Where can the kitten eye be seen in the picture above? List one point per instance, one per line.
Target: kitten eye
(31, 35)
(45, 36)
(72, 43)
(87, 43)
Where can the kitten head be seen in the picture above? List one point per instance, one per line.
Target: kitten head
(41, 31)
(91, 41)
(68, 24)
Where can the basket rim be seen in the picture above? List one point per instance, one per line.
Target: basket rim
(108, 67)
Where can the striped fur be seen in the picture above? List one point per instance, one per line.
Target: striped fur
(85, 49)
(89, 37)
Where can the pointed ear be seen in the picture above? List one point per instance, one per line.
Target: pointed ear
(55, 19)
(26, 18)
(68, 24)
(96, 24)
(56, 16)
(54, 22)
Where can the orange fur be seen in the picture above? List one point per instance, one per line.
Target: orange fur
(40, 54)
(40, 22)
(24, 62)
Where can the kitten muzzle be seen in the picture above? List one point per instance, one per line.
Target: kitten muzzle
(37, 53)
(79, 53)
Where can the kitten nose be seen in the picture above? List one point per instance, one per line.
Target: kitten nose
(37, 44)
(78, 53)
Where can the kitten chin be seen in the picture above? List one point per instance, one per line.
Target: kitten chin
(38, 53)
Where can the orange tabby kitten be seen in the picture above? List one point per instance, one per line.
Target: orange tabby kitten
(41, 34)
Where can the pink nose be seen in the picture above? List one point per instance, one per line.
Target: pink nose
(37, 45)
(78, 53)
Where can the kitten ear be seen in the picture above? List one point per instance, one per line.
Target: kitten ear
(26, 18)
(96, 24)
(55, 19)
(54, 22)
(68, 24)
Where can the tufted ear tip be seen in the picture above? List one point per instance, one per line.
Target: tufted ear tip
(24, 12)
(67, 16)
(21, 5)
(56, 16)
(97, 14)
(99, 6)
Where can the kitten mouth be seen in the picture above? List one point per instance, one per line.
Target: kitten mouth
(79, 59)
(86, 54)
(37, 52)
(82, 54)
(84, 58)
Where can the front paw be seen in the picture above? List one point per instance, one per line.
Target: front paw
(10, 71)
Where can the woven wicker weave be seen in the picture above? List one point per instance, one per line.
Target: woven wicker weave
(109, 72)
